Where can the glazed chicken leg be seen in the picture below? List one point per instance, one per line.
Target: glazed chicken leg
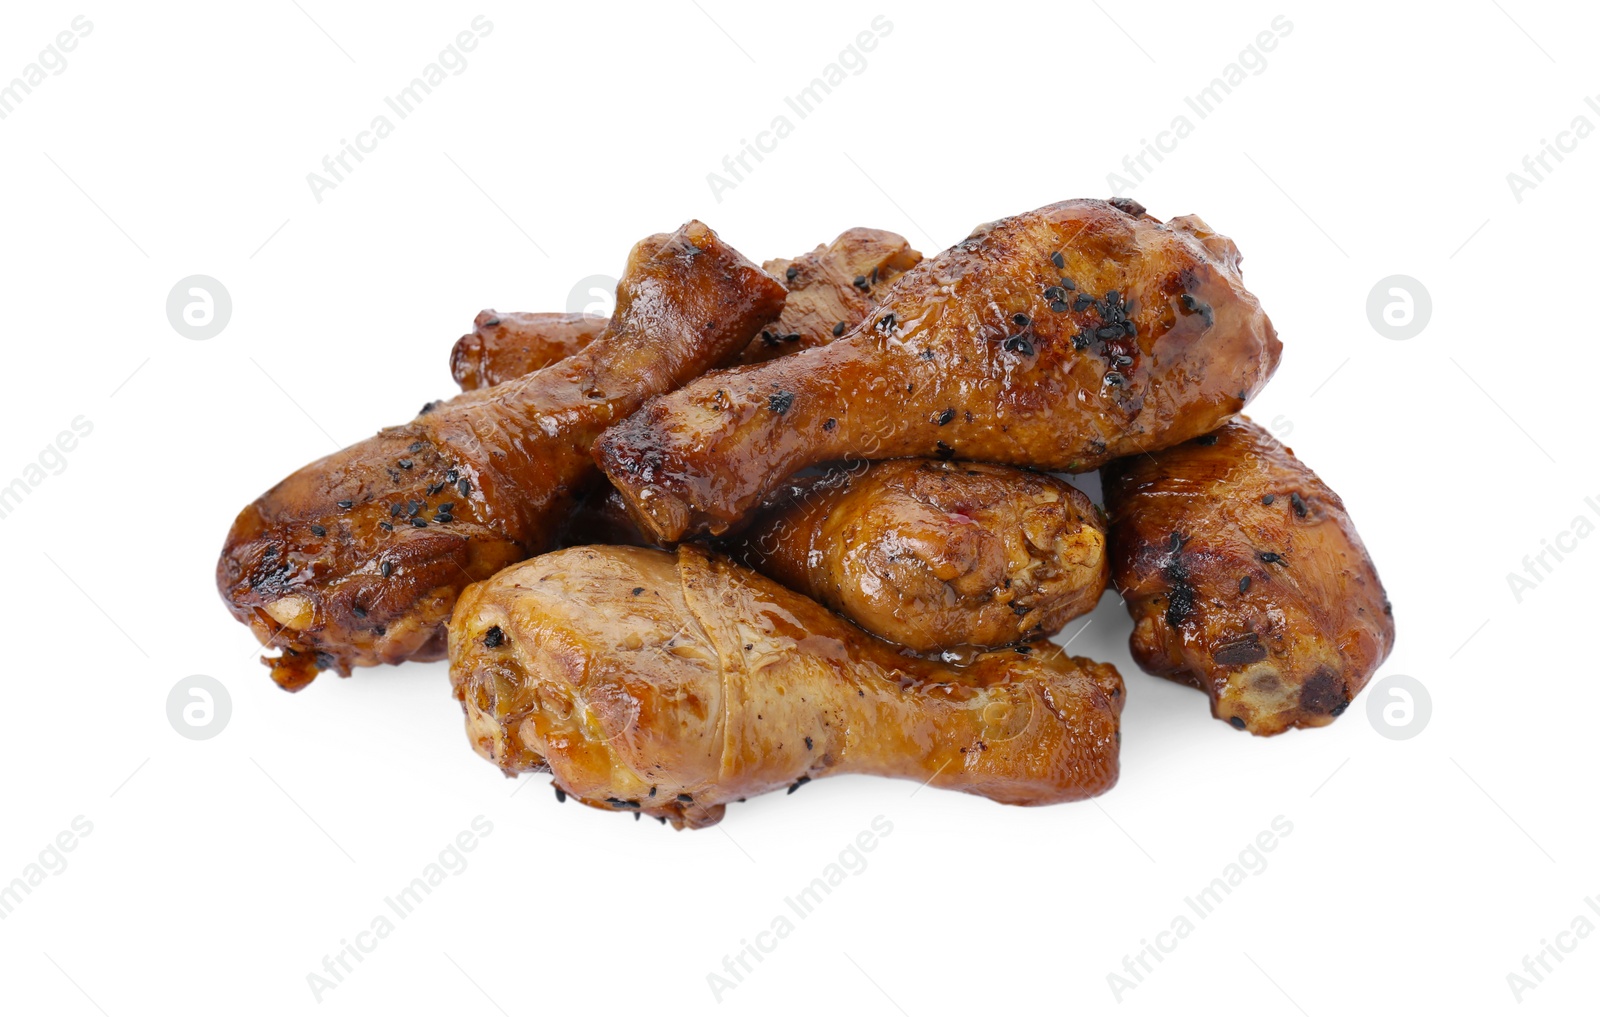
(830, 290)
(1059, 339)
(1246, 578)
(670, 685)
(935, 555)
(357, 559)
(503, 347)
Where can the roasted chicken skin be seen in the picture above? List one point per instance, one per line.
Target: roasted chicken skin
(502, 347)
(1246, 579)
(669, 684)
(830, 290)
(1059, 339)
(935, 555)
(357, 559)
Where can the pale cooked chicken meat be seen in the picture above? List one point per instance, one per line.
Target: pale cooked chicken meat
(672, 684)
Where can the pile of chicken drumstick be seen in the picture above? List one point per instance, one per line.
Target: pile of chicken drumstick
(767, 524)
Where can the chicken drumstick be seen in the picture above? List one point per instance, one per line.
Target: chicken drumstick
(670, 685)
(1059, 339)
(357, 559)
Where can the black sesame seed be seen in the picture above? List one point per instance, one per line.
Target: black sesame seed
(1056, 257)
(808, 742)
(386, 526)
(325, 660)
(779, 402)
(426, 408)
(450, 476)
(829, 424)
(1114, 379)
(447, 506)
(796, 785)
(1021, 320)
(944, 451)
(464, 486)
(419, 522)
(397, 509)
(358, 610)
(1080, 341)
(792, 337)
(885, 323)
(1244, 584)
(860, 283)
(386, 568)
(1237, 722)
(494, 637)
(1111, 331)
(1206, 439)
(318, 531)
(1082, 301)
(416, 446)
(347, 503)
(838, 330)
(1267, 499)
(435, 488)
(443, 517)
(1068, 284)
(1060, 306)
(638, 590)
(1298, 503)
(561, 795)
(404, 464)
(1271, 557)
(790, 272)
(946, 417)
(1019, 344)
(686, 799)
(1055, 293)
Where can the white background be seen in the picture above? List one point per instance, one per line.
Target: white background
(219, 873)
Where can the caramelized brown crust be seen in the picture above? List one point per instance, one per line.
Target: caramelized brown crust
(832, 286)
(502, 347)
(671, 685)
(1059, 339)
(830, 289)
(357, 559)
(935, 555)
(1246, 578)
